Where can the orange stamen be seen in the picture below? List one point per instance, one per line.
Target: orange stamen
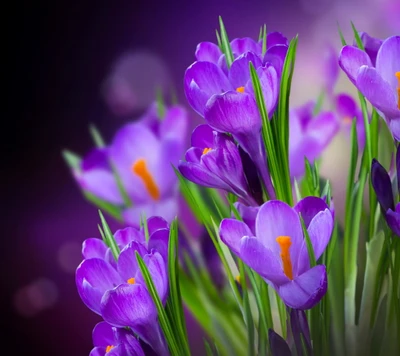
(140, 169)
(284, 243)
(206, 150)
(131, 280)
(240, 89)
(347, 120)
(397, 74)
(109, 347)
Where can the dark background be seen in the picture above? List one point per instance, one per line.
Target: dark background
(59, 54)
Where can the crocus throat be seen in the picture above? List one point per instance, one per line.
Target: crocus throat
(109, 347)
(284, 243)
(240, 89)
(206, 150)
(131, 280)
(397, 74)
(140, 169)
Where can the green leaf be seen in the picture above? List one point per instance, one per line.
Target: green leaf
(160, 104)
(310, 247)
(73, 160)
(96, 136)
(110, 240)
(341, 36)
(226, 46)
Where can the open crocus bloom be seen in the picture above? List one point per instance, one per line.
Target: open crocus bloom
(116, 290)
(142, 154)
(379, 84)
(114, 341)
(278, 250)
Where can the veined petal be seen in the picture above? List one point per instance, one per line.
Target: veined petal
(127, 264)
(93, 278)
(202, 80)
(93, 248)
(159, 242)
(351, 59)
(306, 290)
(378, 91)
(274, 219)
(243, 45)
(276, 56)
(130, 344)
(155, 223)
(239, 73)
(309, 207)
(388, 61)
(371, 45)
(208, 52)
(262, 260)
(128, 234)
(231, 232)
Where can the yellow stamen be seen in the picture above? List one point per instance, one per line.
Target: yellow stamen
(206, 150)
(397, 74)
(131, 280)
(109, 347)
(347, 120)
(237, 278)
(140, 169)
(284, 243)
(240, 89)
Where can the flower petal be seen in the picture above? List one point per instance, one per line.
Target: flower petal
(103, 334)
(94, 248)
(155, 223)
(203, 136)
(393, 219)
(93, 278)
(239, 73)
(159, 242)
(202, 80)
(306, 290)
(278, 345)
(127, 264)
(208, 52)
(309, 207)
(382, 185)
(388, 61)
(243, 45)
(231, 232)
(351, 59)
(262, 260)
(128, 234)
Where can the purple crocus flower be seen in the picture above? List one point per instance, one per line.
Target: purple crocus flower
(309, 135)
(116, 289)
(114, 341)
(141, 153)
(278, 345)
(383, 188)
(330, 71)
(214, 161)
(348, 110)
(380, 84)
(371, 45)
(278, 251)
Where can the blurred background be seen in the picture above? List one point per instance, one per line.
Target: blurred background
(76, 63)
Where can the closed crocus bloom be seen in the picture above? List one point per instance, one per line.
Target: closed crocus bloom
(214, 161)
(114, 341)
(380, 84)
(309, 135)
(142, 154)
(116, 289)
(278, 345)
(383, 188)
(371, 45)
(278, 250)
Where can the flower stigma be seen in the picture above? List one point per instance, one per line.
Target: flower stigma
(240, 89)
(131, 280)
(109, 347)
(397, 74)
(140, 169)
(285, 243)
(206, 150)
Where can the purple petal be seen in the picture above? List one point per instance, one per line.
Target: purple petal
(129, 305)
(103, 334)
(232, 231)
(239, 73)
(157, 269)
(127, 264)
(346, 106)
(394, 126)
(248, 214)
(208, 52)
(398, 165)
(323, 128)
(130, 344)
(393, 219)
(330, 68)
(309, 207)
(125, 236)
(319, 231)
(243, 45)
(306, 290)
(351, 59)
(93, 278)
(159, 242)
(98, 351)
(202, 80)
(307, 148)
(276, 56)
(155, 223)
(276, 38)
(270, 87)
(278, 345)
(388, 62)
(203, 136)
(262, 260)
(382, 185)
(378, 91)
(174, 126)
(96, 159)
(371, 45)
(94, 248)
